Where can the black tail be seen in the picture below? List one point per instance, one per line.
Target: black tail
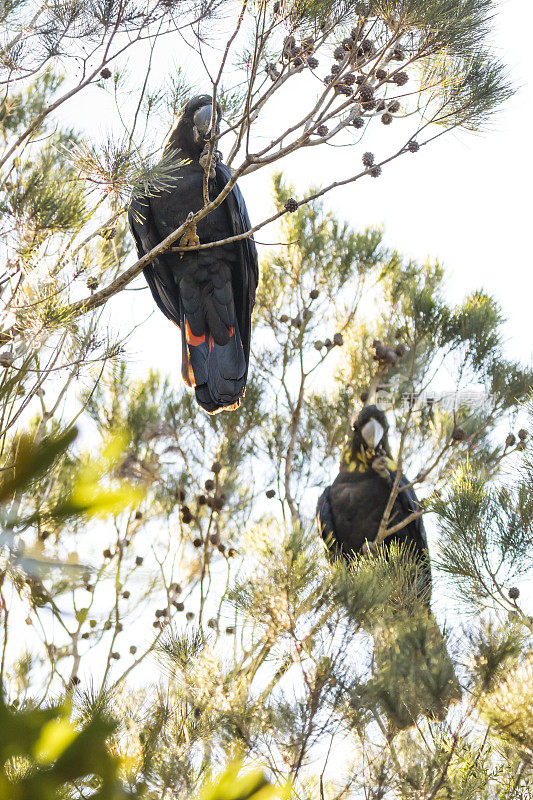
(218, 372)
(214, 361)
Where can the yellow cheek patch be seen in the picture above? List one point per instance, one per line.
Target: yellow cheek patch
(362, 461)
(352, 464)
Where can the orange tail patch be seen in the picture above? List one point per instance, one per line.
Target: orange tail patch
(191, 338)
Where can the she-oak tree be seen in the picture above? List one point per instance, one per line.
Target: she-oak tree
(216, 580)
(267, 650)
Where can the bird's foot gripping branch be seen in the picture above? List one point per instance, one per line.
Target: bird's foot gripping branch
(190, 237)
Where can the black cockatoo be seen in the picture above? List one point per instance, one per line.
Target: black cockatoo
(350, 510)
(413, 671)
(208, 293)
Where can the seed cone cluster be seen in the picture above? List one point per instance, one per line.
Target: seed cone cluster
(361, 71)
(215, 500)
(511, 440)
(386, 355)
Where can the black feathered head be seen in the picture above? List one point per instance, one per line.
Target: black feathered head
(193, 126)
(370, 431)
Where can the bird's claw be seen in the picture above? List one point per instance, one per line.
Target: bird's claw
(204, 161)
(190, 236)
(380, 465)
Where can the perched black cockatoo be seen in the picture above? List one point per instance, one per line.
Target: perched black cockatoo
(413, 671)
(350, 510)
(208, 293)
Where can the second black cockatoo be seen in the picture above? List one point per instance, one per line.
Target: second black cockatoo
(413, 673)
(351, 509)
(208, 293)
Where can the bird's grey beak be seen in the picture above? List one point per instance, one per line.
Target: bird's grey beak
(202, 119)
(372, 432)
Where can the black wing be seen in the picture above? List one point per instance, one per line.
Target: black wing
(409, 503)
(326, 523)
(415, 533)
(246, 274)
(158, 274)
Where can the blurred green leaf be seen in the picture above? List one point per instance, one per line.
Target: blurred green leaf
(55, 737)
(42, 754)
(234, 784)
(33, 460)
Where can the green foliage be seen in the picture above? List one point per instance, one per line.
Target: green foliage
(171, 576)
(509, 706)
(495, 650)
(154, 546)
(32, 460)
(19, 110)
(447, 39)
(485, 536)
(414, 673)
(87, 496)
(238, 784)
(43, 756)
(474, 87)
(181, 650)
(46, 194)
(475, 326)
(114, 168)
(363, 590)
